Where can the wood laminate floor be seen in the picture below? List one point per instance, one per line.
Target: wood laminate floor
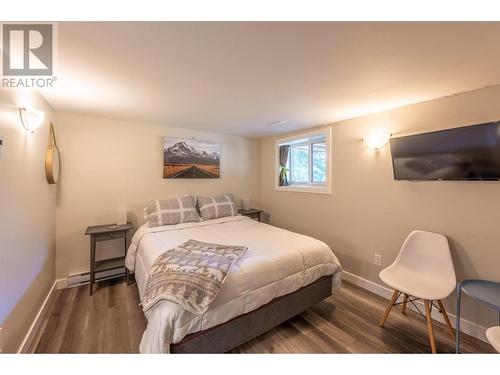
(111, 321)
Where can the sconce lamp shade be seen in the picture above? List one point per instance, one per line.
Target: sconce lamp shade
(377, 140)
(31, 118)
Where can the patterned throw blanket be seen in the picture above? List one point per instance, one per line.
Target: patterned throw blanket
(190, 274)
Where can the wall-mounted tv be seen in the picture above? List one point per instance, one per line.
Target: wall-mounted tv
(469, 153)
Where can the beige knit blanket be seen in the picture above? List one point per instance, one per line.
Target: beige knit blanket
(190, 274)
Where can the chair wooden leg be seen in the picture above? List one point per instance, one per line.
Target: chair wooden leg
(446, 319)
(403, 306)
(389, 307)
(429, 325)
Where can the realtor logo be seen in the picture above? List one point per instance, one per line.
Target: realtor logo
(28, 55)
(27, 50)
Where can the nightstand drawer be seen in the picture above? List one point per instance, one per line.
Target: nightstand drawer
(110, 236)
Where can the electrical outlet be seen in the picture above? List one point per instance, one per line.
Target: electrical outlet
(377, 259)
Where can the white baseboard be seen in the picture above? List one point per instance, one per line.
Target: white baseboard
(33, 330)
(466, 326)
(61, 283)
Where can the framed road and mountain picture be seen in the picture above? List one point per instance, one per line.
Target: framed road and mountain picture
(189, 158)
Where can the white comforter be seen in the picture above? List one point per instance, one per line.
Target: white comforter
(277, 262)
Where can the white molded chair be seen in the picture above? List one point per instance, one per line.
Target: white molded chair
(424, 270)
(493, 336)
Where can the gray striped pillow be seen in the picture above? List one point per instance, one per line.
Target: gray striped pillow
(171, 211)
(215, 207)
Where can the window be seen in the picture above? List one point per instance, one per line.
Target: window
(307, 163)
(318, 151)
(303, 162)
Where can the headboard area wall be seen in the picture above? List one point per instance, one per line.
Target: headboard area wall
(107, 164)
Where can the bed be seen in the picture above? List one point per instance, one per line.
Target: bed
(281, 274)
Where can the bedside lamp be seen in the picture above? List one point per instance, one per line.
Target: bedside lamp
(121, 215)
(246, 203)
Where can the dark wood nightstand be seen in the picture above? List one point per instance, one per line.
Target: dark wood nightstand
(251, 212)
(107, 232)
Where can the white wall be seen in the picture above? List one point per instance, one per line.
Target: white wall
(108, 163)
(368, 212)
(27, 219)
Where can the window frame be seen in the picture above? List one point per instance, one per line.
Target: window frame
(307, 138)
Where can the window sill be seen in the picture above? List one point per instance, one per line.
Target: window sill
(317, 189)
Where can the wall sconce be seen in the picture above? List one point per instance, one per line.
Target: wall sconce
(377, 140)
(31, 118)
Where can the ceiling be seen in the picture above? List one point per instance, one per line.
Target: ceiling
(239, 77)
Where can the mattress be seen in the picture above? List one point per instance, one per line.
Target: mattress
(277, 262)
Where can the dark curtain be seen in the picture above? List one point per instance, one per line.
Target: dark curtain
(284, 152)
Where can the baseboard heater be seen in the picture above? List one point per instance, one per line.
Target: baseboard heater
(77, 279)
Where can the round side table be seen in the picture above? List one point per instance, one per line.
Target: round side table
(483, 291)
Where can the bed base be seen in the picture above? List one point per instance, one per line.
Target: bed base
(229, 335)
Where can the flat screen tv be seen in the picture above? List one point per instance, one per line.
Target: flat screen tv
(469, 153)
